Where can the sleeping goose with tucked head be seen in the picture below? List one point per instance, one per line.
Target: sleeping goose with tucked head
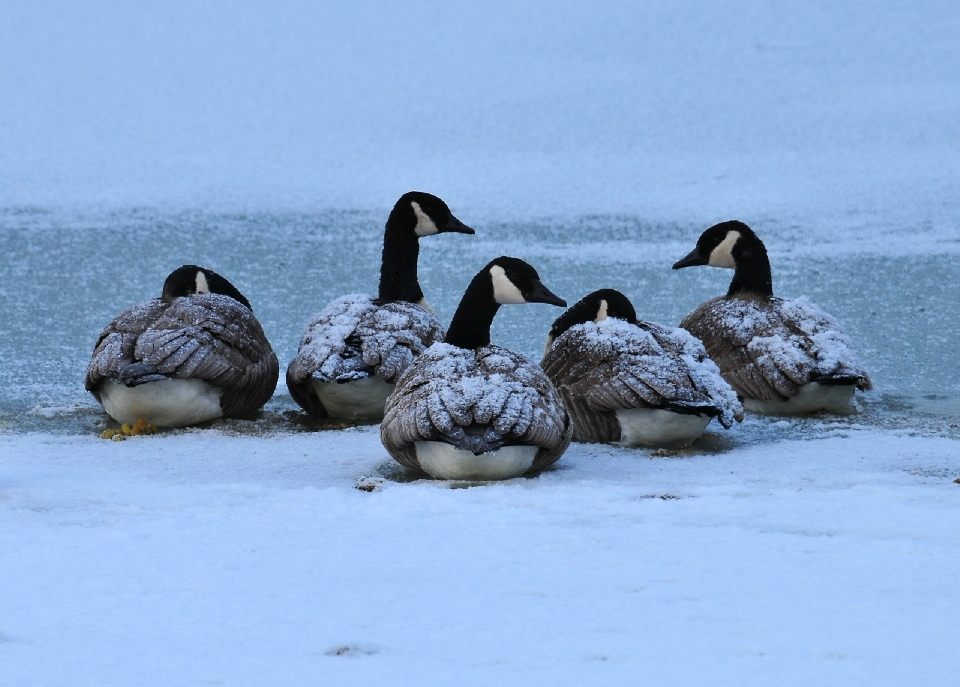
(633, 382)
(467, 409)
(781, 356)
(352, 353)
(194, 354)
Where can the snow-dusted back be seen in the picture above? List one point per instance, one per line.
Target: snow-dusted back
(450, 393)
(768, 348)
(207, 336)
(354, 337)
(612, 365)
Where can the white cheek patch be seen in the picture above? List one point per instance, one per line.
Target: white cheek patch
(425, 225)
(426, 306)
(202, 286)
(602, 312)
(722, 255)
(505, 292)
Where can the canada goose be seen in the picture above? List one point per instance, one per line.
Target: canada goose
(353, 352)
(781, 356)
(467, 409)
(634, 382)
(192, 355)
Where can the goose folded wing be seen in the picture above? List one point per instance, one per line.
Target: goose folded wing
(114, 351)
(406, 418)
(330, 348)
(540, 417)
(217, 340)
(707, 386)
(394, 334)
(726, 328)
(616, 366)
(830, 349)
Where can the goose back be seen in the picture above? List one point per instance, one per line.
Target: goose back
(207, 336)
(602, 367)
(475, 399)
(767, 348)
(353, 338)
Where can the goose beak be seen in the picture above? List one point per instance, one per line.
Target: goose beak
(541, 294)
(455, 225)
(692, 259)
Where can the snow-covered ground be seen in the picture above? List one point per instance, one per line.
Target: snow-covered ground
(209, 559)
(596, 140)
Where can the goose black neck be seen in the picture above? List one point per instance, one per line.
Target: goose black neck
(752, 273)
(398, 268)
(470, 327)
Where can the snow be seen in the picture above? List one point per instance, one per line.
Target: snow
(268, 141)
(205, 558)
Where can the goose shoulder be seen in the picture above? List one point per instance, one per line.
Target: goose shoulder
(769, 347)
(615, 365)
(449, 387)
(208, 337)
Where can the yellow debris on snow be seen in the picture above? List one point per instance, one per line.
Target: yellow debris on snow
(141, 426)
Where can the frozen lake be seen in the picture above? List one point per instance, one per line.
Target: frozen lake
(68, 277)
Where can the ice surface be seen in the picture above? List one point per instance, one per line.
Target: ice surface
(268, 141)
(67, 277)
(690, 112)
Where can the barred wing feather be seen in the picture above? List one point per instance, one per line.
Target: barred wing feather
(209, 337)
(476, 400)
(353, 338)
(768, 348)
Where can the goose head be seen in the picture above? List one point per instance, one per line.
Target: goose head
(593, 307)
(504, 281)
(733, 245)
(423, 214)
(191, 279)
(515, 281)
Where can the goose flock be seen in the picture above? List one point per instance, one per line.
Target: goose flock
(457, 406)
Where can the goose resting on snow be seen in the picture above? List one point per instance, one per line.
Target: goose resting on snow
(633, 382)
(192, 355)
(781, 356)
(467, 409)
(352, 353)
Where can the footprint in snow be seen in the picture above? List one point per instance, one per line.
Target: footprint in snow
(351, 650)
